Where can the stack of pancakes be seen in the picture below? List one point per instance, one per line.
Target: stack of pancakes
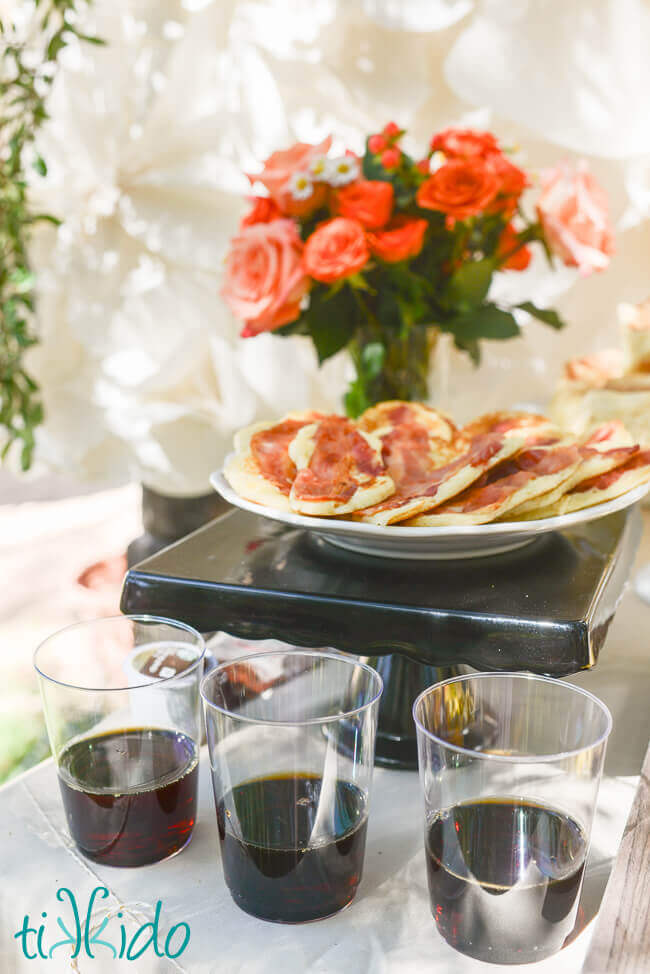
(610, 385)
(406, 463)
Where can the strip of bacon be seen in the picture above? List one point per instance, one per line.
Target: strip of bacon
(270, 450)
(531, 472)
(531, 426)
(433, 487)
(606, 480)
(342, 470)
(596, 458)
(599, 489)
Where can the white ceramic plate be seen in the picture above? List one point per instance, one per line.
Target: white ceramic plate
(395, 541)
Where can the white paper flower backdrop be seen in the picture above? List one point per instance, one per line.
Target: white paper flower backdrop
(142, 371)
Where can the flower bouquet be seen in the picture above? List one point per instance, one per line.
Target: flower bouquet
(380, 254)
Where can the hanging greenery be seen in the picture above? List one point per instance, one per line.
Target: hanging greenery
(27, 70)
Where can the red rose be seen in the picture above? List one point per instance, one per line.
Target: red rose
(461, 188)
(336, 249)
(401, 239)
(512, 183)
(520, 259)
(370, 201)
(464, 143)
(264, 210)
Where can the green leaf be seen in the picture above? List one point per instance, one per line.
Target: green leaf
(39, 217)
(57, 43)
(469, 285)
(488, 321)
(547, 315)
(330, 321)
(372, 359)
(40, 166)
(356, 400)
(90, 39)
(472, 348)
(23, 280)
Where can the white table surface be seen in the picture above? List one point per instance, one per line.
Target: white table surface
(387, 929)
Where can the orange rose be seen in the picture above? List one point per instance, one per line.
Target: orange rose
(263, 211)
(461, 188)
(464, 143)
(573, 211)
(520, 259)
(401, 239)
(370, 201)
(336, 249)
(264, 279)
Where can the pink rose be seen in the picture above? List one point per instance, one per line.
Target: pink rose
(573, 211)
(264, 279)
(281, 165)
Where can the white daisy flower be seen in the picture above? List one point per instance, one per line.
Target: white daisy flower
(342, 170)
(300, 186)
(317, 168)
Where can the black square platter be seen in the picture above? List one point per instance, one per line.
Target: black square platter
(544, 608)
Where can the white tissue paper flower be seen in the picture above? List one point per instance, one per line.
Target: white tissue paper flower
(143, 372)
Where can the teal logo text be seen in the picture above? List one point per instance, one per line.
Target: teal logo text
(84, 934)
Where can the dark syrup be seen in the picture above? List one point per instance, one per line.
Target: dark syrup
(130, 795)
(274, 866)
(504, 878)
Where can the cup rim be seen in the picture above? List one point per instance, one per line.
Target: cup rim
(325, 719)
(143, 617)
(513, 758)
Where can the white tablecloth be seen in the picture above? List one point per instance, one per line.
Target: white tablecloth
(388, 928)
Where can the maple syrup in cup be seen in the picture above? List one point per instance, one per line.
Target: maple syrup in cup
(122, 705)
(508, 812)
(291, 774)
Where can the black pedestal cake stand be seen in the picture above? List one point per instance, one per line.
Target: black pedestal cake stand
(544, 608)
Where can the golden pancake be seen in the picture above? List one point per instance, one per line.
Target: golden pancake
(599, 489)
(433, 486)
(608, 447)
(261, 469)
(339, 469)
(396, 413)
(532, 472)
(532, 427)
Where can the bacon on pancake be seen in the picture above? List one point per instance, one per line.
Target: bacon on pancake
(609, 446)
(340, 469)
(597, 490)
(415, 439)
(530, 426)
(261, 469)
(533, 471)
(433, 485)
(387, 418)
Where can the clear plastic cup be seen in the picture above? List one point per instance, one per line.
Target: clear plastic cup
(510, 766)
(291, 772)
(122, 708)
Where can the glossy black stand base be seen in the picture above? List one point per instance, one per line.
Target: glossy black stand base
(404, 679)
(167, 519)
